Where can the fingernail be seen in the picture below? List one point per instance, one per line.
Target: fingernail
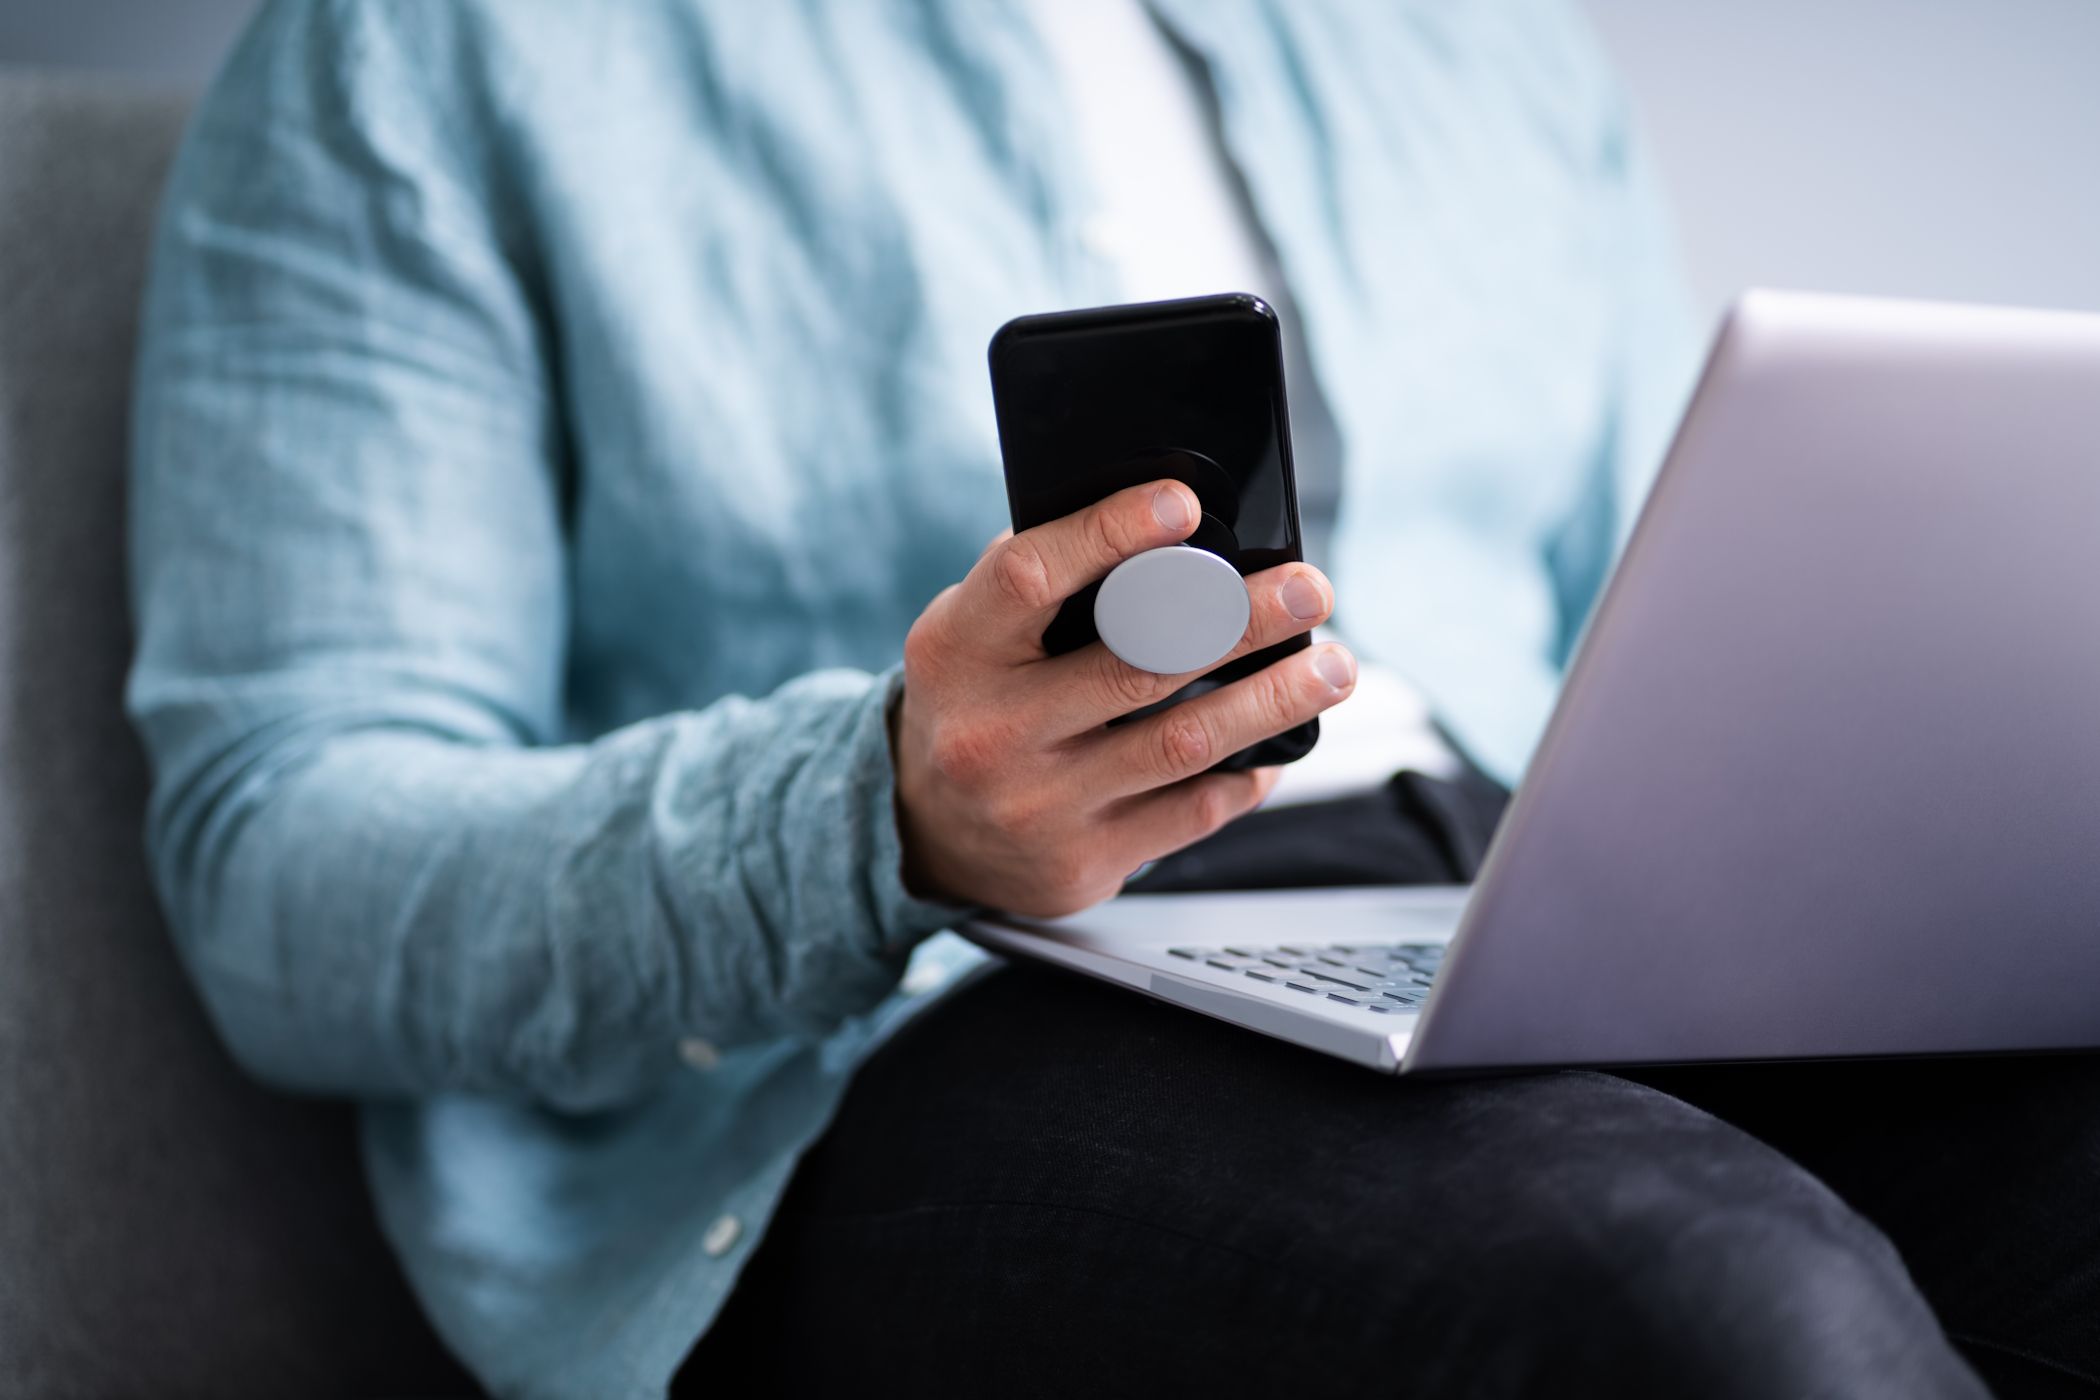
(1172, 507)
(1336, 667)
(1302, 598)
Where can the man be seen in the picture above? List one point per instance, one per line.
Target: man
(577, 685)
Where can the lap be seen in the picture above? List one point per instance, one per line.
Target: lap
(1046, 1183)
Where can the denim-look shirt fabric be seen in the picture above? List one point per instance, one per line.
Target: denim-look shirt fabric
(550, 418)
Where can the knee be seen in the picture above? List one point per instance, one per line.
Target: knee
(1779, 1291)
(1794, 1302)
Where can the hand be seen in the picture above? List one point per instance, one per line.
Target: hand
(1011, 792)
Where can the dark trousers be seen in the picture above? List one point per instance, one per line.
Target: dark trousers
(1048, 1186)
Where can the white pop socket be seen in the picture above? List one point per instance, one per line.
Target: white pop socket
(1172, 610)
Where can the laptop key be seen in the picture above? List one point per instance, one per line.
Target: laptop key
(1192, 954)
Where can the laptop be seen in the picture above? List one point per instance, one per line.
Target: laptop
(1824, 777)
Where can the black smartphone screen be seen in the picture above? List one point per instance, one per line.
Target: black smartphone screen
(1091, 402)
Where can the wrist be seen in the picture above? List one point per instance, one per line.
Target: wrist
(908, 802)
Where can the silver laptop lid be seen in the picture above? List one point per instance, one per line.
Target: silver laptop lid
(1825, 779)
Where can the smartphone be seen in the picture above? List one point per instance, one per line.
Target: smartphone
(1090, 402)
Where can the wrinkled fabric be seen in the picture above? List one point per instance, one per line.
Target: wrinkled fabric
(549, 420)
(1177, 1207)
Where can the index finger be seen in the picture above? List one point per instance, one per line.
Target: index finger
(1011, 594)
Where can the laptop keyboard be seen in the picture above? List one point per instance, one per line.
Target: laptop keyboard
(1390, 978)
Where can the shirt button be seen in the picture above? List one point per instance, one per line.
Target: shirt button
(699, 1054)
(721, 1237)
(922, 978)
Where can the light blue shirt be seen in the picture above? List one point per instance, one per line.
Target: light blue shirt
(551, 417)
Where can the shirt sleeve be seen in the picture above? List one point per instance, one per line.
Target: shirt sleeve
(1652, 357)
(385, 872)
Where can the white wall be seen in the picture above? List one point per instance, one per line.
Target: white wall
(1943, 148)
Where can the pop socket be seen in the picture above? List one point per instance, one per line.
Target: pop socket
(1172, 610)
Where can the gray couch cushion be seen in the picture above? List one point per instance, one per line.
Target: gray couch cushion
(166, 1228)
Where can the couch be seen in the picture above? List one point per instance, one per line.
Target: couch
(167, 1228)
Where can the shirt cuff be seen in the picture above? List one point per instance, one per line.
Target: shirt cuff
(902, 919)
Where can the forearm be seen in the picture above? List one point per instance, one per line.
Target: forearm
(401, 913)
